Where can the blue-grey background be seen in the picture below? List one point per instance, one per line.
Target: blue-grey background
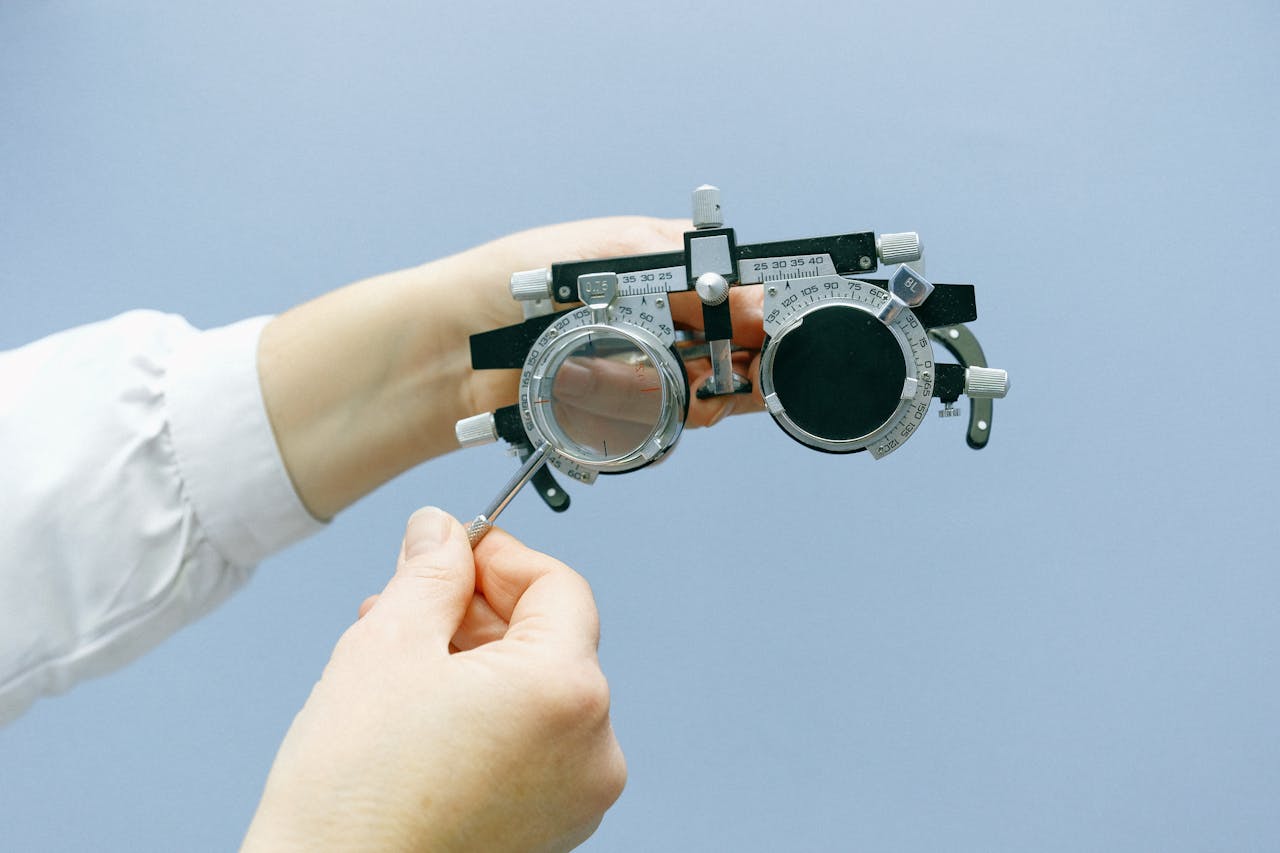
(1065, 642)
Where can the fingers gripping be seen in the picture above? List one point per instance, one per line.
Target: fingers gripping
(434, 580)
(536, 594)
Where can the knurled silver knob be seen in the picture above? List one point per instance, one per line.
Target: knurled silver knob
(712, 288)
(531, 285)
(986, 383)
(899, 248)
(476, 430)
(477, 529)
(706, 207)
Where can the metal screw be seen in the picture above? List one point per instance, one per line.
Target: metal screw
(773, 291)
(551, 333)
(660, 302)
(565, 294)
(864, 262)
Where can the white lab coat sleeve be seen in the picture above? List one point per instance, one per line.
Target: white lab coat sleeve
(140, 483)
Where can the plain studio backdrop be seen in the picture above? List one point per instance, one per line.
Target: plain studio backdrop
(1067, 641)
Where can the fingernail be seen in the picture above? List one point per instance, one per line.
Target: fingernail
(427, 529)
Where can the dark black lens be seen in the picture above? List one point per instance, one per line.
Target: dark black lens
(840, 374)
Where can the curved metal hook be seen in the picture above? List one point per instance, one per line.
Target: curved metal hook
(962, 344)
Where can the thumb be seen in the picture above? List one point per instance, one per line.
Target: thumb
(434, 580)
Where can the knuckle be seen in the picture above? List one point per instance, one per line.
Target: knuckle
(614, 778)
(426, 569)
(640, 235)
(592, 691)
(426, 580)
(603, 778)
(576, 696)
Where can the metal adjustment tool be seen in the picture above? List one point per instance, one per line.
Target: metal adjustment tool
(847, 363)
(483, 522)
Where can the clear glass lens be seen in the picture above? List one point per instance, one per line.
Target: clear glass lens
(606, 398)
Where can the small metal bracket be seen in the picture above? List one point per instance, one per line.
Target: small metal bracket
(962, 344)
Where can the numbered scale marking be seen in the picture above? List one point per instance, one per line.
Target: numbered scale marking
(791, 266)
(833, 374)
(653, 281)
(608, 396)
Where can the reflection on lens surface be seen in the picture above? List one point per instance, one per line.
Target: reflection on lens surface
(606, 398)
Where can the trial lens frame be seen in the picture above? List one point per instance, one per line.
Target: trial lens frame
(846, 365)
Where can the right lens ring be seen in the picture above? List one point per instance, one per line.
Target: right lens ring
(913, 348)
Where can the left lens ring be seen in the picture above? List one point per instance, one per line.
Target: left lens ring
(608, 398)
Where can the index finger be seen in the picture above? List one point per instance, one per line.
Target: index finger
(540, 597)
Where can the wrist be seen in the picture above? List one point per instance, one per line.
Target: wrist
(455, 298)
(366, 382)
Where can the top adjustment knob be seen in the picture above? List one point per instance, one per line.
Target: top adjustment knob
(706, 207)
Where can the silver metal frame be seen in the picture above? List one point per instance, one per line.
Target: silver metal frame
(538, 376)
(912, 338)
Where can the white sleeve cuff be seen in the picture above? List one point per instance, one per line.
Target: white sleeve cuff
(219, 426)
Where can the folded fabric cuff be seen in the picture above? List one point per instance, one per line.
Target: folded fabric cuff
(231, 467)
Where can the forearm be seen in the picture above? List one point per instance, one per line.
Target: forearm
(368, 381)
(365, 382)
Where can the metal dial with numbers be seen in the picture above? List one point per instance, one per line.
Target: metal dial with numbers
(846, 364)
(607, 396)
(834, 374)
